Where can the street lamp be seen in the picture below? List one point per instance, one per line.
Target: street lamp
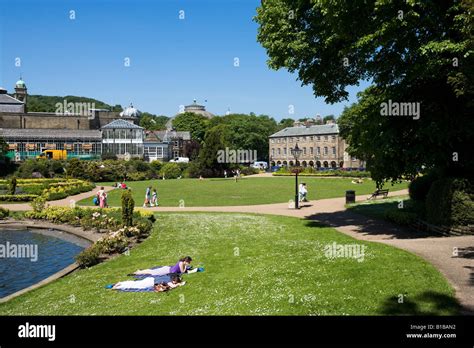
(296, 152)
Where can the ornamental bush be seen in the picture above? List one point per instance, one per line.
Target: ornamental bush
(4, 213)
(89, 257)
(420, 186)
(450, 202)
(17, 198)
(401, 217)
(170, 170)
(128, 204)
(12, 186)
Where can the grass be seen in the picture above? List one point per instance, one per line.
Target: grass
(254, 265)
(248, 191)
(376, 208)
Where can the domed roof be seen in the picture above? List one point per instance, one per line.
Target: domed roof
(194, 108)
(20, 83)
(130, 112)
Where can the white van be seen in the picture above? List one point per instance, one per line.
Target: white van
(260, 165)
(180, 160)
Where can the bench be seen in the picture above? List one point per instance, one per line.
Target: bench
(383, 193)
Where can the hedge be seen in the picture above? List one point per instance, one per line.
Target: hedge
(450, 202)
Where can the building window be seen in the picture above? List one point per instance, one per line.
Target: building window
(304, 138)
(304, 150)
(319, 138)
(334, 151)
(333, 138)
(311, 150)
(325, 151)
(325, 138)
(278, 151)
(284, 150)
(318, 151)
(311, 138)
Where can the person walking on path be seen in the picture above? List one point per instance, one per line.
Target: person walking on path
(147, 197)
(102, 197)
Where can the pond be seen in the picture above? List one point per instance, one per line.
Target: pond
(28, 256)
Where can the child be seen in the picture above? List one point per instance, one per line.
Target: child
(154, 199)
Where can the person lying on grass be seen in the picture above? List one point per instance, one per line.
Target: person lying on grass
(149, 283)
(180, 267)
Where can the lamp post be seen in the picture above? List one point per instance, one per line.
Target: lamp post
(296, 152)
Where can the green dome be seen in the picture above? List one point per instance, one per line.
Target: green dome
(20, 83)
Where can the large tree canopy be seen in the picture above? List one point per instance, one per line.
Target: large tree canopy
(248, 132)
(413, 51)
(194, 123)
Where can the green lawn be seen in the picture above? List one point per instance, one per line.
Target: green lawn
(254, 265)
(376, 208)
(248, 191)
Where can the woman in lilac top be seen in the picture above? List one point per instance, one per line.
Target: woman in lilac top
(180, 267)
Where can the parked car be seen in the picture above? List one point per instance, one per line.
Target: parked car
(260, 165)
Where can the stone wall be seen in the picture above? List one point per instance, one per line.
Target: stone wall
(40, 120)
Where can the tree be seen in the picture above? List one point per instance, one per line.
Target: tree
(329, 118)
(285, 123)
(217, 139)
(413, 51)
(128, 204)
(194, 123)
(191, 149)
(248, 132)
(153, 122)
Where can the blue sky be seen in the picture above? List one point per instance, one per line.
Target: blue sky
(172, 60)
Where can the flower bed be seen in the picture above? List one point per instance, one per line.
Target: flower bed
(48, 188)
(116, 236)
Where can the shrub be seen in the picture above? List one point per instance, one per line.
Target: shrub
(155, 166)
(38, 204)
(12, 186)
(115, 242)
(400, 217)
(419, 188)
(137, 176)
(89, 257)
(17, 198)
(170, 170)
(450, 202)
(128, 204)
(249, 170)
(193, 170)
(4, 213)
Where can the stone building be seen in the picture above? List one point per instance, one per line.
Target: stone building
(321, 145)
(165, 145)
(30, 133)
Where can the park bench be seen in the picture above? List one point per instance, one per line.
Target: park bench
(383, 193)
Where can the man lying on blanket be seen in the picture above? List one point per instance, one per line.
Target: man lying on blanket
(149, 284)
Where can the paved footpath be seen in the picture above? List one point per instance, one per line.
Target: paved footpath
(438, 250)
